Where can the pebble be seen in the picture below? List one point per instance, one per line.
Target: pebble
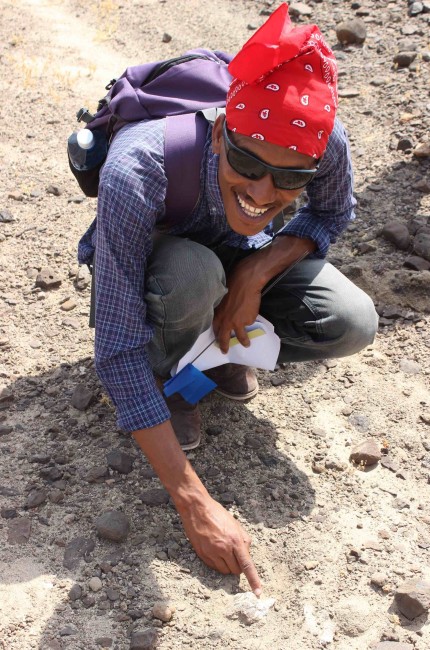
(397, 233)
(354, 615)
(416, 263)
(413, 598)
(82, 278)
(35, 499)
(48, 279)
(421, 243)
(104, 641)
(113, 525)
(68, 305)
(360, 422)
(277, 380)
(77, 549)
(409, 367)
(404, 59)
(154, 497)
(214, 430)
(145, 639)
(422, 150)
(6, 395)
(54, 189)
(96, 473)
(6, 216)
(348, 92)
(120, 461)
(379, 579)
(19, 531)
(163, 612)
(95, 584)
(405, 144)
(82, 397)
(351, 32)
(300, 9)
(366, 453)
(75, 592)
(166, 38)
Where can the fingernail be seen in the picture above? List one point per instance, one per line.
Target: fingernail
(258, 592)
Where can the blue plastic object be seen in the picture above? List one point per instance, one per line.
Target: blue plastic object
(190, 383)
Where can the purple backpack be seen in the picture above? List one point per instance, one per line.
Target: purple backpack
(178, 89)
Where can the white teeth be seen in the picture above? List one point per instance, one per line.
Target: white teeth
(249, 210)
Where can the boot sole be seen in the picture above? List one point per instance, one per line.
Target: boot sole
(191, 445)
(235, 397)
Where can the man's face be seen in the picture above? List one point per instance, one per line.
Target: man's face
(251, 204)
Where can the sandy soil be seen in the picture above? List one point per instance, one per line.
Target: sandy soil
(332, 542)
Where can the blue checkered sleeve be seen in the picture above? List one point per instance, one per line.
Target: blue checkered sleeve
(131, 197)
(331, 202)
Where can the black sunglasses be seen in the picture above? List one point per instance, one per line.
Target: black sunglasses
(245, 164)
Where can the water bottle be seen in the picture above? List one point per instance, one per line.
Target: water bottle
(87, 149)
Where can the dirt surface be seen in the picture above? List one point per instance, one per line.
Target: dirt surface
(332, 541)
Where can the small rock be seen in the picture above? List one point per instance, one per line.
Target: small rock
(297, 9)
(353, 615)
(68, 305)
(104, 641)
(82, 397)
(398, 234)
(112, 594)
(6, 216)
(35, 499)
(120, 461)
(416, 263)
(277, 380)
(154, 497)
(413, 598)
(5, 430)
(421, 243)
(77, 549)
(56, 496)
(113, 525)
(163, 612)
(96, 473)
(366, 453)
(166, 38)
(6, 395)
(82, 278)
(95, 584)
(75, 592)
(48, 279)
(351, 32)
(422, 150)
(251, 27)
(389, 463)
(8, 513)
(311, 564)
(54, 189)
(68, 630)
(19, 531)
(405, 144)
(379, 579)
(404, 59)
(145, 639)
(422, 186)
(409, 367)
(349, 92)
(360, 422)
(416, 8)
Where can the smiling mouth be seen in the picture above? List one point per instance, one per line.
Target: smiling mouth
(249, 210)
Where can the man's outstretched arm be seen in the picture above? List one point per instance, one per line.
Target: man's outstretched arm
(217, 537)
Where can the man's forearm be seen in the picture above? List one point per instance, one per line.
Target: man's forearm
(161, 448)
(282, 252)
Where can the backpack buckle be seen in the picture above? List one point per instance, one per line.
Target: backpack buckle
(110, 84)
(84, 115)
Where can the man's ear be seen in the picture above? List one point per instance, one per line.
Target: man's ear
(217, 134)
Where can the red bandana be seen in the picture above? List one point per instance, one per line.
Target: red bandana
(285, 86)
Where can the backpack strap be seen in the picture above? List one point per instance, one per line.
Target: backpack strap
(184, 142)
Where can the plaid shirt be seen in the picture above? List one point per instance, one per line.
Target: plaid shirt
(131, 206)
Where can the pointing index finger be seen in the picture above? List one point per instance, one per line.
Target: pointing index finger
(247, 567)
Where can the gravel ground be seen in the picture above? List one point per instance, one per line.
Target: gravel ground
(92, 553)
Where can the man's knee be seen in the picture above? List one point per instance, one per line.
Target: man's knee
(185, 277)
(356, 322)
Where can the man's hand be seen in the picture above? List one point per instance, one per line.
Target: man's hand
(219, 540)
(240, 306)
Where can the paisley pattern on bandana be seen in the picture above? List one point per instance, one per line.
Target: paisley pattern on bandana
(284, 89)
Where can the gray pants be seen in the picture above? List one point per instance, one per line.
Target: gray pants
(317, 312)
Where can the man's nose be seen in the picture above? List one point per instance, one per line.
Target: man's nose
(263, 191)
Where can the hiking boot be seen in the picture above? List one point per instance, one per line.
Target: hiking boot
(186, 421)
(234, 381)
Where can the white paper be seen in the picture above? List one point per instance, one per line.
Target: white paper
(262, 353)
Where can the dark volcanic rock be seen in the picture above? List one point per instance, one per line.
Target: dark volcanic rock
(19, 531)
(398, 234)
(421, 243)
(145, 639)
(120, 461)
(35, 498)
(77, 549)
(113, 525)
(366, 453)
(154, 497)
(82, 397)
(404, 59)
